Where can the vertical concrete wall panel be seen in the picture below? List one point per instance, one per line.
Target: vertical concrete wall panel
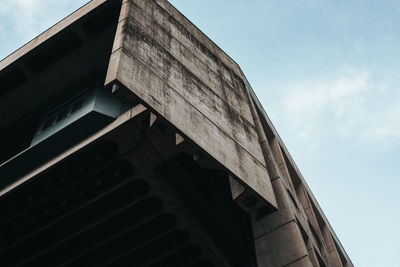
(175, 69)
(207, 68)
(192, 88)
(278, 218)
(303, 262)
(201, 42)
(177, 35)
(283, 246)
(138, 77)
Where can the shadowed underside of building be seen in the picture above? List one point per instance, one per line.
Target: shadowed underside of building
(128, 138)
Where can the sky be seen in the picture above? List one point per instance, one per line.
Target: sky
(327, 74)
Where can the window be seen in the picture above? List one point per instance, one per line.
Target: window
(61, 113)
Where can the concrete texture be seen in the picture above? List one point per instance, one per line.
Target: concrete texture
(169, 69)
(160, 59)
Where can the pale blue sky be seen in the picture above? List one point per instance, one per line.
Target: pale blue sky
(327, 73)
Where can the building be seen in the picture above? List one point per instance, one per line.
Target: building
(130, 139)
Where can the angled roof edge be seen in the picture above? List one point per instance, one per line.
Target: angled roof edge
(50, 32)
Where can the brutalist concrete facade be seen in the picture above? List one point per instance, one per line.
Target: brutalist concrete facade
(206, 179)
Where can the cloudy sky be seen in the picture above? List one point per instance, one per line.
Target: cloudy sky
(327, 73)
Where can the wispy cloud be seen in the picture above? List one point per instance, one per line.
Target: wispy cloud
(349, 103)
(21, 15)
(22, 20)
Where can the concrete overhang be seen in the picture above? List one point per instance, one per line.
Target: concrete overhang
(85, 49)
(66, 58)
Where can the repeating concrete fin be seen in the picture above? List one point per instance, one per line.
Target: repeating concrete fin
(179, 139)
(153, 118)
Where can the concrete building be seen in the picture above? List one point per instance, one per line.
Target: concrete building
(128, 138)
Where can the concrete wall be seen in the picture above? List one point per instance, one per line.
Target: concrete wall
(182, 75)
(158, 56)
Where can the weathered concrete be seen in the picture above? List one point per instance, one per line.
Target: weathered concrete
(183, 78)
(162, 58)
(179, 84)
